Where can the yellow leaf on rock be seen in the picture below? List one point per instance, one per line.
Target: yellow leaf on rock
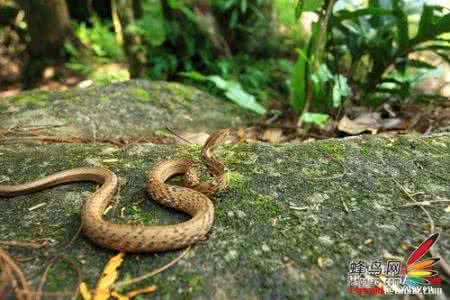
(102, 294)
(132, 294)
(109, 276)
(119, 296)
(146, 290)
(84, 291)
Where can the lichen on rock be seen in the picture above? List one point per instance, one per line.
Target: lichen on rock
(289, 224)
(131, 110)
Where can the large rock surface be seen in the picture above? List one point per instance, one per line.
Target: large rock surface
(136, 110)
(293, 218)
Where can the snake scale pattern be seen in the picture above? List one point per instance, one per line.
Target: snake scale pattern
(193, 199)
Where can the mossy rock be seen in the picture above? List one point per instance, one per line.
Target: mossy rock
(131, 110)
(292, 219)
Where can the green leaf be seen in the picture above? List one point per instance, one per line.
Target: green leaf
(341, 90)
(431, 98)
(431, 26)
(443, 25)
(371, 11)
(322, 75)
(299, 9)
(419, 64)
(181, 6)
(236, 94)
(425, 26)
(315, 118)
(312, 5)
(392, 81)
(375, 21)
(307, 5)
(393, 91)
(298, 81)
(433, 47)
(71, 49)
(243, 6)
(444, 55)
(233, 19)
(233, 90)
(194, 75)
(402, 26)
(218, 81)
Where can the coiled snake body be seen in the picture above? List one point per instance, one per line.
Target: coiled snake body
(192, 200)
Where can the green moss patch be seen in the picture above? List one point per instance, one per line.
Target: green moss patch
(280, 231)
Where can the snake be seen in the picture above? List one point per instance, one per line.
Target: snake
(194, 199)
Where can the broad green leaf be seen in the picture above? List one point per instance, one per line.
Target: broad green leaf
(322, 75)
(402, 26)
(317, 46)
(319, 79)
(431, 25)
(218, 81)
(298, 81)
(194, 75)
(375, 21)
(307, 5)
(315, 118)
(236, 94)
(233, 90)
(299, 9)
(312, 5)
(434, 47)
(416, 63)
(392, 81)
(425, 26)
(443, 25)
(444, 55)
(341, 90)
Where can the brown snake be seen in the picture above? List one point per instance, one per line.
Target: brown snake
(192, 200)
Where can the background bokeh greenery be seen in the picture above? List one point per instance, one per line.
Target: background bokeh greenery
(309, 57)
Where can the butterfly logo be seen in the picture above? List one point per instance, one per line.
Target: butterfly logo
(418, 272)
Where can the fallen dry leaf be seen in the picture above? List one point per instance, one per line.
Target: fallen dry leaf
(198, 138)
(119, 296)
(365, 122)
(246, 135)
(107, 279)
(130, 295)
(394, 123)
(109, 276)
(84, 291)
(272, 135)
(146, 290)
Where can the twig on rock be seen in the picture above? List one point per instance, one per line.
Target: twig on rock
(152, 273)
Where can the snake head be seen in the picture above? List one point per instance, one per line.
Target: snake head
(215, 139)
(192, 177)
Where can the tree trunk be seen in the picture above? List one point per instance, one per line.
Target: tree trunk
(132, 41)
(48, 24)
(49, 27)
